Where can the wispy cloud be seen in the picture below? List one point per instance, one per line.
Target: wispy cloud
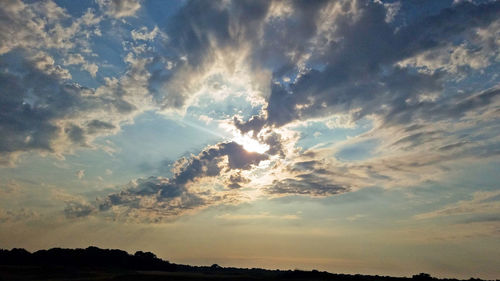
(260, 216)
(482, 203)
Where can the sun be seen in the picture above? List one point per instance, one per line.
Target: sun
(250, 144)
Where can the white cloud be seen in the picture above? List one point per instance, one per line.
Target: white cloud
(120, 8)
(91, 68)
(143, 33)
(45, 63)
(42, 25)
(78, 59)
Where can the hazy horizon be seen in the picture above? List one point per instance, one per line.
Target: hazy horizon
(354, 136)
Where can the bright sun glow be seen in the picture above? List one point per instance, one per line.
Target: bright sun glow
(250, 144)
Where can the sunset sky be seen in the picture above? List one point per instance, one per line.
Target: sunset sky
(347, 136)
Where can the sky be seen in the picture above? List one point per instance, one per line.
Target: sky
(348, 136)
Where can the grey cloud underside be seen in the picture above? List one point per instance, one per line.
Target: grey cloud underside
(172, 196)
(78, 210)
(306, 184)
(37, 108)
(235, 180)
(202, 26)
(360, 71)
(30, 101)
(310, 178)
(42, 109)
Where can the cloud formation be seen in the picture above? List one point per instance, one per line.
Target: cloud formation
(156, 198)
(120, 8)
(295, 63)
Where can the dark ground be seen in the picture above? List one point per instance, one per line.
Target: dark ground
(93, 263)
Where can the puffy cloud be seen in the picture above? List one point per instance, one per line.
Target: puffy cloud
(143, 34)
(42, 108)
(78, 210)
(45, 63)
(77, 59)
(236, 180)
(156, 198)
(45, 112)
(42, 25)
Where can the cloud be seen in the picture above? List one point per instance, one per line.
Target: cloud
(236, 180)
(120, 8)
(45, 63)
(42, 25)
(157, 198)
(45, 110)
(306, 184)
(143, 34)
(358, 72)
(16, 216)
(260, 216)
(77, 59)
(482, 203)
(34, 120)
(78, 210)
(10, 188)
(80, 174)
(336, 62)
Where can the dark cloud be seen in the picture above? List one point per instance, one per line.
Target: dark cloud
(46, 112)
(360, 71)
(207, 162)
(78, 209)
(172, 195)
(351, 65)
(236, 180)
(309, 177)
(97, 125)
(30, 102)
(75, 134)
(223, 24)
(255, 124)
(275, 142)
(197, 33)
(306, 184)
